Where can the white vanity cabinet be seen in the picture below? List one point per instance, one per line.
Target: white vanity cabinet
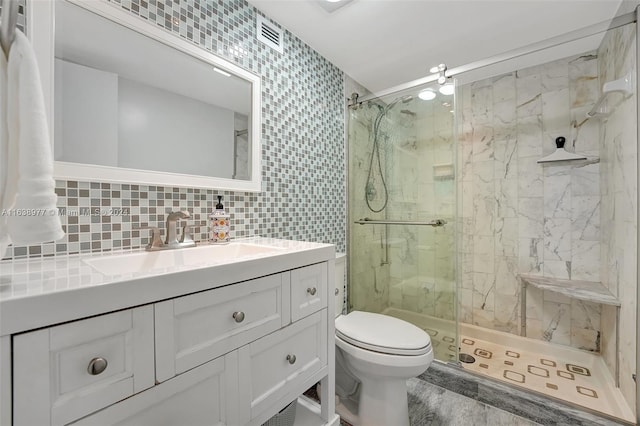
(231, 355)
(310, 290)
(197, 328)
(281, 364)
(65, 372)
(201, 396)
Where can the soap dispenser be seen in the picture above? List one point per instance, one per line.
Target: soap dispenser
(219, 226)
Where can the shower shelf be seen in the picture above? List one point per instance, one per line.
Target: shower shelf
(623, 85)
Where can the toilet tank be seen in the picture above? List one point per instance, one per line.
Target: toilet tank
(341, 275)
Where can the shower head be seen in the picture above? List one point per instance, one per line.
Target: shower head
(372, 104)
(383, 109)
(390, 105)
(404, 99)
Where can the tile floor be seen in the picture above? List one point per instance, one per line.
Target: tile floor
(571, 375)
(446, 394)
(433, 405)
(551, 375)
(449, 396)
(524, 404)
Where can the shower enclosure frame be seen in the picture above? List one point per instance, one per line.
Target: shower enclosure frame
(616, 22)
(619, 21)
(637, 15)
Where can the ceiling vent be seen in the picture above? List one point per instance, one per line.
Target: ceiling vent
(269, 34)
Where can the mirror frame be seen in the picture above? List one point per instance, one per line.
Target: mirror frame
(41, 31)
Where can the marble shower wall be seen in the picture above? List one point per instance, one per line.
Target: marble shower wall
(518, 216)
(618, 218)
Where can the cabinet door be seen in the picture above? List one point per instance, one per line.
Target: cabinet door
(197, 328)
(206, 395)
(308, 290)
(280, 363)
(65, 372)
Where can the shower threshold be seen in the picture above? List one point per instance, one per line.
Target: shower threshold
(571, 375)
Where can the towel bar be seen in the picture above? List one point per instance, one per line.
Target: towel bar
(8, 24)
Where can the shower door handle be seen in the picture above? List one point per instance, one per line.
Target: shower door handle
(367, 221)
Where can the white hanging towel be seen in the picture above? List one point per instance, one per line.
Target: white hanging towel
(29, 188)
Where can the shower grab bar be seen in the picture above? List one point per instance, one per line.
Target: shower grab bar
(367, 221)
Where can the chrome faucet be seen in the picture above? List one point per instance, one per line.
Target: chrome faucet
(171, 241)
(172, 233)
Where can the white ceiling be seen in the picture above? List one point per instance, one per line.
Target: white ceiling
(384, 43)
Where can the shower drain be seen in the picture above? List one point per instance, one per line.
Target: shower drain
(466, 358)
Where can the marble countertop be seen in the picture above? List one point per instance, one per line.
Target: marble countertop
(40, 292)
(591, 291)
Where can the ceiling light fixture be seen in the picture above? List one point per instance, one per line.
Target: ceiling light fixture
(447, 89)
(331, 6)
(427, 94)
(440, 70)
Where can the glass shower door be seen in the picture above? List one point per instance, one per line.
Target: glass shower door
(402, 212)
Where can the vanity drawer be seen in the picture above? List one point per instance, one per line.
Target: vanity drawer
(308, 290)
(197, 328)
(74, 369)
(271, 367)
(204, 395)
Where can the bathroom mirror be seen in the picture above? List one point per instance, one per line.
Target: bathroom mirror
(133, 103)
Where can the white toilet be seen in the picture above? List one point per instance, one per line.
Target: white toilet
(375, 355)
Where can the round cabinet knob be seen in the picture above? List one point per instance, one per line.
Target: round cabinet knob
(336, 292)
(97, 366)
(238, 316)
(291, 359)
(311, 291)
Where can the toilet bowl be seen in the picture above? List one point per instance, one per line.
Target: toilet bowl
(375, 355)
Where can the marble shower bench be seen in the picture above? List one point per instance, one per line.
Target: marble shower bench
(590, 291)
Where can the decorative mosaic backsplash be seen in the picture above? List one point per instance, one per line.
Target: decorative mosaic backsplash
(303, 195)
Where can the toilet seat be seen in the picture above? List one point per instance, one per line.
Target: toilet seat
(382, 333)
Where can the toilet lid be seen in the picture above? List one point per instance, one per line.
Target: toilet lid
(382, 333)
